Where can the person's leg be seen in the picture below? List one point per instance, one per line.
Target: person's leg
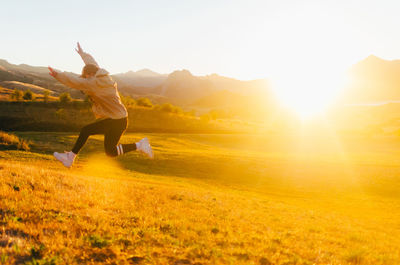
(68, 158)
(112, 137)
(99, 127)
(125, 148)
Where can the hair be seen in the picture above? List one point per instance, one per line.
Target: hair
(89, 69)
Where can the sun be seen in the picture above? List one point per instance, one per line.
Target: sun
(308, 91)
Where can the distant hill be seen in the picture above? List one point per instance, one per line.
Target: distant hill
(4, 65)
(373, 80)
(186, 89)
(238, 86)
(180, 87)
(5, 93)
(220, 99)
(24, 86)
(139, 82)
(25, 76)
(183, 87)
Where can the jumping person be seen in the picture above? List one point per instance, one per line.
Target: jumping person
(111, 114)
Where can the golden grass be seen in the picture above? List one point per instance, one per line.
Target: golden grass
(10, 141)
(101, 212)
(5, 93)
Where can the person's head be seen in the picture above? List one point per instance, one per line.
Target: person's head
(89, 70)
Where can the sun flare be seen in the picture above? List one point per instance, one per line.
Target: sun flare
(308, 92)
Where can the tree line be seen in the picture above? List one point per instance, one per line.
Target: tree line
(128, 101)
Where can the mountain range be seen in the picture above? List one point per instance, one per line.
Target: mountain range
(371, 80)
(179, 87)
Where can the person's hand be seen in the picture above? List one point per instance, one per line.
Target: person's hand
(79, 49)
(52, 72)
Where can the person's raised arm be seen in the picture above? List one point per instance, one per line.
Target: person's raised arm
(71, 80)
(86, 57)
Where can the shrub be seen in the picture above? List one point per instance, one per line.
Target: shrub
(12, 142)
(144, 102)
(16, 95)
(169, 108)
(98, 242)
(46, 95)
(218, 114)
(190, 113)
(28, 95)
(128, 101)
(205, 117)
(65, 98)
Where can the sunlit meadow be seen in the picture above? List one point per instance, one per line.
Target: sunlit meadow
(204, 199)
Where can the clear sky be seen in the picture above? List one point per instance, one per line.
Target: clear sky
(243, 39)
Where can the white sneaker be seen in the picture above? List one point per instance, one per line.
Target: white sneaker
(144, 147)
(67, 158)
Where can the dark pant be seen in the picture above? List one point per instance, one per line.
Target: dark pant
(112, 130)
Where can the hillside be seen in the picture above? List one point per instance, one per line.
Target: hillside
(252, 87)
(220, 99)
(205, 199)
(5, 93)
(180, 87)
(24, 86)
(139, 83)
(370, 80)
(373, 80)
(22, 76)
(144, 78)
(54, 116)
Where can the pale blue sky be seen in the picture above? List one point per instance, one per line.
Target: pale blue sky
(242, 39)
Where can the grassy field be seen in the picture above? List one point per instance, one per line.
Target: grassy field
(305, 198)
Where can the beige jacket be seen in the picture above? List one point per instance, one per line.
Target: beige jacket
(101, 89)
